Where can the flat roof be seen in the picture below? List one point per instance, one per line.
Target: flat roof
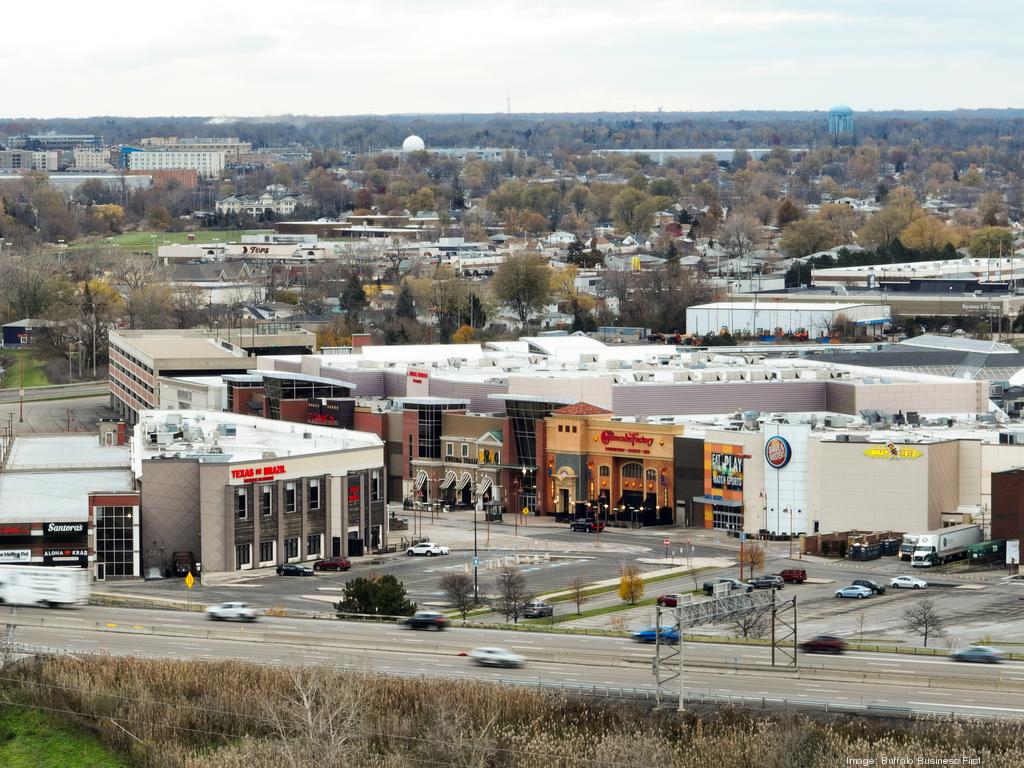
(67, 451)
(174, 347)
(59, 496)
(254, 438)
(768, 305)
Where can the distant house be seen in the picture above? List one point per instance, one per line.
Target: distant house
(276, 199)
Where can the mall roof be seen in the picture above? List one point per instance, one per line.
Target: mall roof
(27, 497)
(64, 452)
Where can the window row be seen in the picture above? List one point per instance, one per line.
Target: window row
(265, 494)
(268, 550)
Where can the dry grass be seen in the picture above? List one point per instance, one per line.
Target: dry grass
(236, 715)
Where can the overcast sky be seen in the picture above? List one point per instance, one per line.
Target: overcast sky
(335, 57)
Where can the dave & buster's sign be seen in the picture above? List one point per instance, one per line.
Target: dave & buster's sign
(777, 452)
(257, 474)
(629, 442)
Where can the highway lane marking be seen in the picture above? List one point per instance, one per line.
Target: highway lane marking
(995, 709)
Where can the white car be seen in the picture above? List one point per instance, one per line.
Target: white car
(427, 548)
(907, 582)
(496, 657)
(231, 611)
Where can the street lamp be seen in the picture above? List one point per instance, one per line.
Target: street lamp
(476, 560)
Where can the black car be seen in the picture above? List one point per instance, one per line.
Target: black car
(293, 569)
(767, 581)
(875, 587)
(426, 620)
(586, 524)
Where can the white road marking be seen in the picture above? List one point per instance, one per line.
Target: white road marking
(997, 709)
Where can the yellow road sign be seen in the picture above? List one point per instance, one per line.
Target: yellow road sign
(526, 510)
(190, 580)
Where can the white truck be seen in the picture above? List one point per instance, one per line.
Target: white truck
(908, 545)
(945, 544)
(44, 585)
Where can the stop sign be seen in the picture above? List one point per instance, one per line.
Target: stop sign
(666, 542)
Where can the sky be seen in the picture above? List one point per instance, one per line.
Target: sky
(341, 57)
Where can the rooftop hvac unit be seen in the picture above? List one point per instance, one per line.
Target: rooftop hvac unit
(164, 438)
(226, 429)
(842, 438)
(269, 455)
(173, 419)
(307, 435)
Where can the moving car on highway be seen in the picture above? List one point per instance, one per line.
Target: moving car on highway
(854, 591)
(823, 644)
(668, 634)
(293, 569)
(426, 620)
(231, 612)
(496, 657)
(332, 564)
(427, 548)
(907, 582)
(980, 653)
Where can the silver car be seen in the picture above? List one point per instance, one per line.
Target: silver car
(496, 657)
(231, 612)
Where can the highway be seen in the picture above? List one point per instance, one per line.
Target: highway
(55, 392)
(884, 680)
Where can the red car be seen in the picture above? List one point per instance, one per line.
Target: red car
(823, 644)
(668, 601)
(794, 575)
(332, 564)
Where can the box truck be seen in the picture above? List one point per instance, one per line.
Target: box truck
(945, 544)
(44, 585)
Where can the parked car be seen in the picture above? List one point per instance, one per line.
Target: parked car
(734, 585)
(668, 634)
(538, 609)
(979, 653)
(427, 548)
(231, 612)
(426, 620)
(853, 591)
(907, 582)
(496, 657)
(332, 564)
(767, 581)
(874, 586)
(668, 601)
(586, 524)
(823, 644)
(794, 575)
(293, 569)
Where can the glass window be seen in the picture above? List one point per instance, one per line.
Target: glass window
(375, 485)
(115, 541)
(241, 505)
(314, 493)
(266, 500)
(465, 450)
(289, 503)
(267, 551)
(291, 548)
(559, 427)
(243, 555)
(497, 457)
(574, 429)
(652, 476)
(449, 449)
(633, 470)
(313, 544)
(605, 471)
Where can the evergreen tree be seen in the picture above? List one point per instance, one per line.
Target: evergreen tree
(405, 307)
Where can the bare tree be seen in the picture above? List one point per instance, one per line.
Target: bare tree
(752, 556)
(923, 619)
(739, 235)
(512, 593)
(459, 589)
(578, 591)
(187, 304)
(752, 623)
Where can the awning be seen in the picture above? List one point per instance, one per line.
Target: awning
(449, 478)
(421, 478)
(465, 480)
(485, 486)
(717, 502)
(873, 321)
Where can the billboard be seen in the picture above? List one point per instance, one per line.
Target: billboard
(723, 471)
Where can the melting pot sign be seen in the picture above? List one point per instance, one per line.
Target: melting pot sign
(777, 452)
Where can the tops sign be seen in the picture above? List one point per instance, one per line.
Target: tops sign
(777, 452)
(632, 439)
(257, 474)
(63, 529)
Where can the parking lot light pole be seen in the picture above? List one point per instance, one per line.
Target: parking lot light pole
(476, 561)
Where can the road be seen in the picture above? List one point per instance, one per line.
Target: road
(55, 392)
(48, 416)
(883, 680)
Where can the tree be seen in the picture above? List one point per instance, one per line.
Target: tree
(923, 619)
(992, 209)
(158, 218)
(577, 589)
(633, 211)
(463, 335)
(146, 292)
(376, 595)
(739, 234)
(99, 305)
(458, 587)
(405, 305)
(631, 585)
(926, 233)
(752, 623)
(511, 592)
(353, 297)
(522, 283)
(187, 304)
(991, 243)
(578, 303)
(473, 313)
(802, 238)
(752, 558)
(788, 212)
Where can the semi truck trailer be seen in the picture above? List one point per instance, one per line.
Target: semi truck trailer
(945, 544)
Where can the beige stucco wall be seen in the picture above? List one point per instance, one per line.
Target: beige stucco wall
(939, 396)
(595, 390)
